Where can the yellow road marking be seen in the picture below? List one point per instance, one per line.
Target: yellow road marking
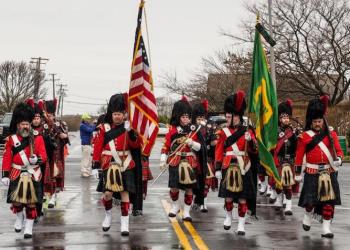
(177, 228)
(195, 235)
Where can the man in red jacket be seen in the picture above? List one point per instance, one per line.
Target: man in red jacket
(236, 145)
(116, 149)
(22, 157)
(319, 151)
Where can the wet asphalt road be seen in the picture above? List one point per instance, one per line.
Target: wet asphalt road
(76, 222)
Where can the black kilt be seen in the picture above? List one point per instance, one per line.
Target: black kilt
(128, 177)
(174, 180)
(37, 186)
(249, 190)
(309, 192)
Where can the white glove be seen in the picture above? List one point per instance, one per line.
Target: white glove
(189, 142)
(5, 181)
(94, 173)
(247, 136)
(337, 163)
(33, 159)
(218, 174)
(298, 178)
(162, 163)
(127, 126)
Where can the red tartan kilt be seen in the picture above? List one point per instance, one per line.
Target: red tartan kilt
(146, 171)
(175, 160)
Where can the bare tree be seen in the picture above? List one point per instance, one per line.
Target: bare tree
(16, 84)
(219, 76)
(313, 45)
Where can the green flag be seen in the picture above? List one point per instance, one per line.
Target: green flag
(263, 102)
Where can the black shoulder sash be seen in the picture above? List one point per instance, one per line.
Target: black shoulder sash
(24, 144)
(232, 139)
(315, 141)
(113, 133)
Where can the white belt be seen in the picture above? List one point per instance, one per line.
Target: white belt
(235, 153)
(317, 166)
(23, 167)
(30, 169)
(120, 153)
(185, 153)
(126, 162)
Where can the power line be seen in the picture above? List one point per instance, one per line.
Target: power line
(87, 103)
(86, 97)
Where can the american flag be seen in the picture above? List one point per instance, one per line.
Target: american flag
(142, 102)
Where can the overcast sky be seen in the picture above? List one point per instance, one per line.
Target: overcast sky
(89, 42)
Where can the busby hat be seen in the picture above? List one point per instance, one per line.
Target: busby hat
(235, 104)
(51, 106)
(316, 109)
(21, 113)
(181, 107)
(117, 103)
(200, 109)
(285, 108)
(38, 107)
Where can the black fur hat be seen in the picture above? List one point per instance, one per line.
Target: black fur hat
(200, 109)
(22, 112)
(180, 108)
(235, 104)
(51, 106)
(38, 107)
(285, 108)
(316, 109)
(117, 103)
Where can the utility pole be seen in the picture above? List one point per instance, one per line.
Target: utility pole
(37, 62)
(61, 93)
(53, 79)
(272, 50)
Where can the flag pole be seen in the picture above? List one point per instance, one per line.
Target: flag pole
(272, 50)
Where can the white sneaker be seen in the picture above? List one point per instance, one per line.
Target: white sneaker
(288, 209)
(240, 228)
(175, 208)
(263, 187)
(28, 229)
(326, 229)
(228, 220)
(19, 222)
(186, 213)
(106, 224)
(307, 221)
(124, 225)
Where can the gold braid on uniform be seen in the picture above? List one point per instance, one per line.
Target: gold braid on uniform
(25, 191)
(325, 189)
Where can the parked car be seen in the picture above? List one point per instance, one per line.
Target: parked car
(216, 120)
(163, 129)
(5, 127)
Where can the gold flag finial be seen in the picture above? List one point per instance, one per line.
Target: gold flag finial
(258, 17)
